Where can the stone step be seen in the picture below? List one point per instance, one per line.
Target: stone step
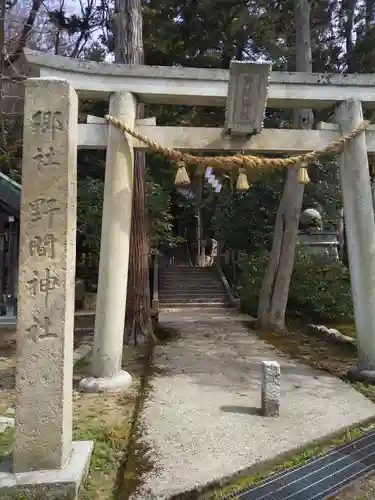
(187, 269)
(196, 293)
(190, 279)
(190, 276)
(194, 305)
(197, 300)
(188, 273)
(189, 285)
(204, 272)
(192, 288)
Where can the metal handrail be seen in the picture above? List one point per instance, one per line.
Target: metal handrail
(188, 254)
(155, 285)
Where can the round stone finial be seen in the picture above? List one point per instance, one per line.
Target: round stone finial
(310, 219)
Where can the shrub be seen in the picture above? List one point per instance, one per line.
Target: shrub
(252, 268)
(319, 288)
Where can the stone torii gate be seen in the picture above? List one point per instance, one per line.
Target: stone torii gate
(44, 455)
(209, 87)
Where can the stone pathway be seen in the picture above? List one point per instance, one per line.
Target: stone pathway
(200, 419)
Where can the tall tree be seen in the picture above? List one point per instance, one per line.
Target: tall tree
(275, 288)
(129, 50)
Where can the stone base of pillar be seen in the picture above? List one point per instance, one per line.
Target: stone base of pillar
(358, 374)
(119, 382)
(48, 484)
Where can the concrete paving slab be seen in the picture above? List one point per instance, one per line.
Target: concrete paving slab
(201, 418)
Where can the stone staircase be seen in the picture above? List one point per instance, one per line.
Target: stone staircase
(184, 286)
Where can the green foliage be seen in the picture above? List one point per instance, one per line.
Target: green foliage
(244, 221)
(319, 289)
(89, 219)
(324, 192)
(252, 268)
(160, 217)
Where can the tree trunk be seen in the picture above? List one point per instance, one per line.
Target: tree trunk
(129, 50)
(24, 35)
(275, 288)
(369, 16)
(2, 68)
(349, 12)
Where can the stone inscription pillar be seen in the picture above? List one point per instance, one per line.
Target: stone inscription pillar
(43, 434)
(360, 232)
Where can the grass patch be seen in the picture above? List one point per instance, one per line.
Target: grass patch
(104, 419)
(7, 376)
(295, 460)
(107, 420)
(6, 442)
(136, 461)
(136, 464)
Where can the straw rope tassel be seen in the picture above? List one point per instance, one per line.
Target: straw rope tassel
(302, 174)
(242, 181)
(182, 177)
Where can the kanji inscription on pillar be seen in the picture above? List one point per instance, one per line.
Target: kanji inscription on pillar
(247, 97)
(46, 279)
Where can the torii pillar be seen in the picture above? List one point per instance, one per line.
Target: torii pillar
(360, 233)
(106, 366)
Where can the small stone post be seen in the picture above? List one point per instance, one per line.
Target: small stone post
(114, 254)
(270, 388)
(43, 431)
(360, 233)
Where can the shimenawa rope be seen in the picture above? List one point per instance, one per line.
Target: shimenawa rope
(243, 162)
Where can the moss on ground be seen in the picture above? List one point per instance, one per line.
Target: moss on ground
(320, 353)
(135, 462)
(345, 328)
